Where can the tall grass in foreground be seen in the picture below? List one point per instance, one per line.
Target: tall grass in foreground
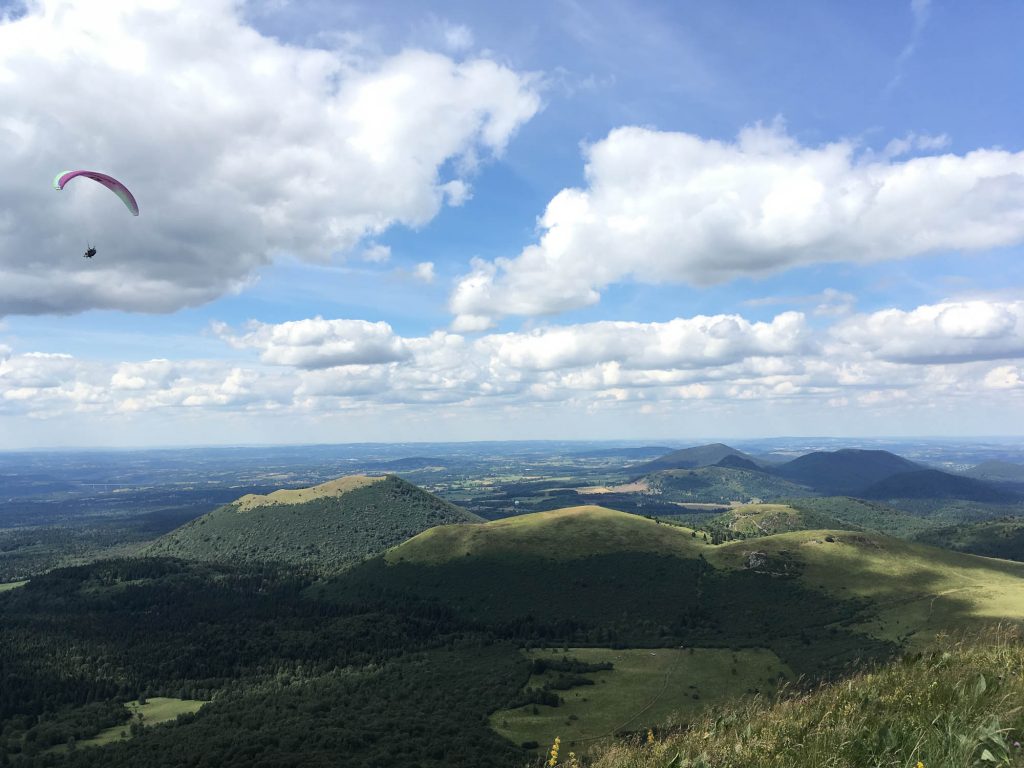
(956, 706)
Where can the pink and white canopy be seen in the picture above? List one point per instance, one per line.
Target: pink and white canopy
(109, 182)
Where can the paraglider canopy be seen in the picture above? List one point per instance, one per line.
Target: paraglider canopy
(109, 182)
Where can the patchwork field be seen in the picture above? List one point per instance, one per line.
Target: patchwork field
(645, 688)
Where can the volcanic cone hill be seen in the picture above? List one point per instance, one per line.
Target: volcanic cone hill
(590, 575)
(327, 527)
(691, 458)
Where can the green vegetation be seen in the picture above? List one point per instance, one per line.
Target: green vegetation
(869, 515)
(932, 484)
(642, 690)
(992, 538)
(325, 528)
(752, 520)
(140, 715)
(12, 585)
(915, 590)
(956, 705)
(721, 485)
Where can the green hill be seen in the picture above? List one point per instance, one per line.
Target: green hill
(933, 484)
(589, 575)
(721, 485)
(327, 527)
(992, 538)
(845, 472)
(690, 458)
(769, 519)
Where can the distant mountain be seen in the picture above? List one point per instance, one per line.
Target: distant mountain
(843, 472)
(690, 458)
(933, 484)
(997, 471)
(327, 527)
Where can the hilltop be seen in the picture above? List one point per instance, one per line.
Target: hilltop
(691, 458)
(327, 527)
(844, 472)
(769, 519)
(721, 485)
(593, 575)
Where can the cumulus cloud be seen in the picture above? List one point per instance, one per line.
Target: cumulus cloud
(892, 360)
(1005, 377)
(320, 343)
(237, 146)
(947, 332)
(673, 207)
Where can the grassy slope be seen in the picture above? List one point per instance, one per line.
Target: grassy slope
(327, 527)
(12, 585)
(155, 711)
(769, 519)
(919, 589)
(958, 706)
(643, 689)
(560, 534)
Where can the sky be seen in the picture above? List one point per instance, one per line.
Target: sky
(473, 221)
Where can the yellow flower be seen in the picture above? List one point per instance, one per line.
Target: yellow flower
(554, 753)
(650, 735)
(919, 764)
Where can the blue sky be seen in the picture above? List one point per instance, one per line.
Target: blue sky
(400, 221)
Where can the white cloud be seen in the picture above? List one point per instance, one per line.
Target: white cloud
(1005, 377)
(238, 148)
(319, 343)
(424, 272)
(946, 332)
(672, 207)
(377, 253)
(892, 362)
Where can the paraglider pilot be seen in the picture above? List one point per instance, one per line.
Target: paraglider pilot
(90, 252)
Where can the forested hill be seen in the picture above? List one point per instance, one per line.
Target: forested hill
(327, 527)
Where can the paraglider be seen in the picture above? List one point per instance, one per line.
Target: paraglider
(109, 182)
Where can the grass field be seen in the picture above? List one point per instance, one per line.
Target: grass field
(645, 688)
(918, 590)
(153, 712)
(12, 585)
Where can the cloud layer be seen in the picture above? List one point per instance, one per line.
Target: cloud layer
(958, 356)
(237, 146)
(674, 207)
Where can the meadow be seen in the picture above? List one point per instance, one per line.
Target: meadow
(644, 688)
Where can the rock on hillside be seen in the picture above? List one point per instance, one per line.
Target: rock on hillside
(326, 527)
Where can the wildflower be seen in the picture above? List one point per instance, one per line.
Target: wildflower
(554, 753)
(1016, 745)
(650, 735)
(919, 764)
